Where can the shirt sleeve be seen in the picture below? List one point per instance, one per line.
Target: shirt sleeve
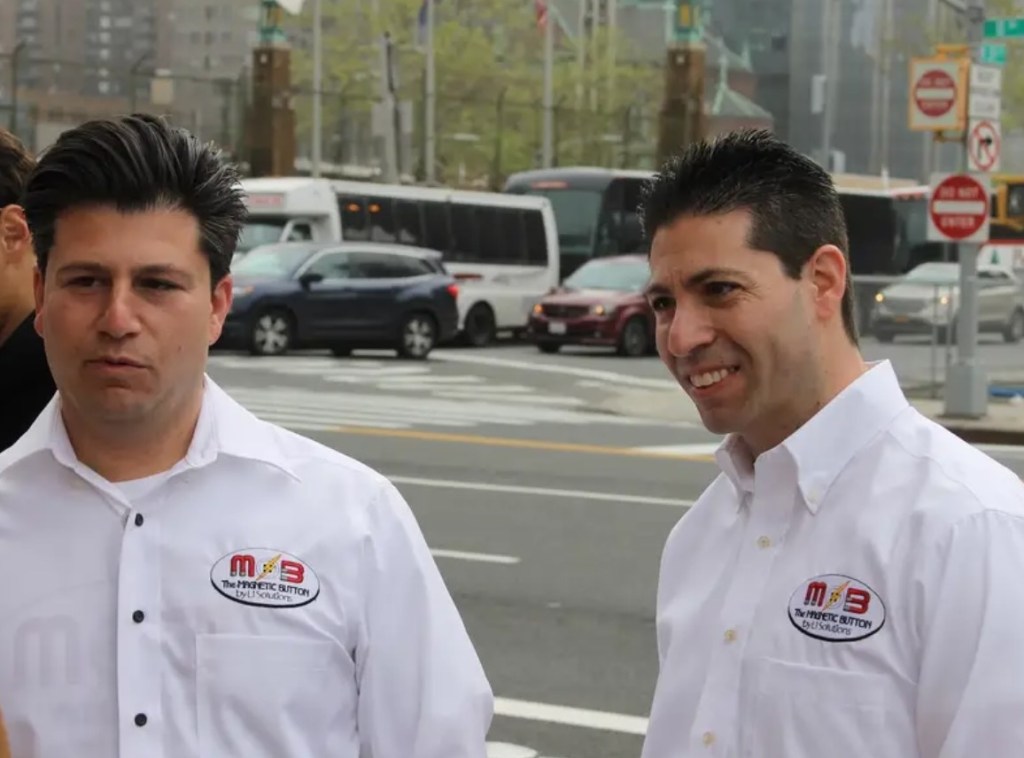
(971, 683)
(422, 689)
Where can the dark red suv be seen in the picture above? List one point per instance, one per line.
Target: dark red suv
(601, 303)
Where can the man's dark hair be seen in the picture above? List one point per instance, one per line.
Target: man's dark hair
(137, 163)
(792, 201)
(15, 166)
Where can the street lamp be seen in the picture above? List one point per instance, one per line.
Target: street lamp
(15, 55)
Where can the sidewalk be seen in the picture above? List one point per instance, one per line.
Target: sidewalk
(1003, 425)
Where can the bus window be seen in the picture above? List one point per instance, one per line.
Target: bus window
(264, 230)
(382, 219)
(512, 241)
(354, 223)
(464, 236)
(619, 230)
(409, 227)
(435, 226)
(536, 239)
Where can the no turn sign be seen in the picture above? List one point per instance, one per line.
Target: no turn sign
(958, 208)
(984, 145)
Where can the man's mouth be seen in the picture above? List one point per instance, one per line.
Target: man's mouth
(119, 361)
(705, 379)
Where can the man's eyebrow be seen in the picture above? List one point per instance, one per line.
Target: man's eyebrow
(154, 270)
(654, 288)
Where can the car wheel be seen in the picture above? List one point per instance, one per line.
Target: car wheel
(480, 326)
(548, 347)
(883, 336)
(341, 351)
(418, 336)
(1014, 331)
(633, 341)
(272, 333)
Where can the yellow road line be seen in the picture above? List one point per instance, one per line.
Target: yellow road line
(523, 444)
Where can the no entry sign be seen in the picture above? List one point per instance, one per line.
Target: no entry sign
(958, 208)
(938, 90)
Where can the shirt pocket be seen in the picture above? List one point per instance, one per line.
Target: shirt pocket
(801, 711)
(271, 696)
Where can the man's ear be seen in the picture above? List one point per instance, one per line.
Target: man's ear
(825, 272)
(15, 238)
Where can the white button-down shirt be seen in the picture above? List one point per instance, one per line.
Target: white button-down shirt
(857, 592)
(266, 597)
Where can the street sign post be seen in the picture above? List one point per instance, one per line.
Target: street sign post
(984, 145)
(938, 95)
(959, 207)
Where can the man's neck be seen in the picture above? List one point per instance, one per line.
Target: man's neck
(120, 454)
(12, 318)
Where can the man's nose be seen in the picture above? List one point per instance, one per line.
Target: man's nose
(119, 318)
(690, 330)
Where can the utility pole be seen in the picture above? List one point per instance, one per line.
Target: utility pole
(429, 157)
(547, 145)
(681, 119)
(15, 58)
(318, 71)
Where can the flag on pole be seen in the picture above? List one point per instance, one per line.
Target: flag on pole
(541, 9)
(421, 24)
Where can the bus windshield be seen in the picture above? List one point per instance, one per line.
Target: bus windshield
(576, 213)
(265, 231)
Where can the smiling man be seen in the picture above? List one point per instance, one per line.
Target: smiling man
(186, 579)
(850, 584)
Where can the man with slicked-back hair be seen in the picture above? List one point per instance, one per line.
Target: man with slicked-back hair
(184, 579)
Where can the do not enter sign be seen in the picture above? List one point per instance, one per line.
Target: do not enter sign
(958, 208)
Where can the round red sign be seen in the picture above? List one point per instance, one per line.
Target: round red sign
(935, 93)
(959, 206)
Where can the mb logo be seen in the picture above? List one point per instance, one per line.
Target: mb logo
(854, 599)
(244, 565)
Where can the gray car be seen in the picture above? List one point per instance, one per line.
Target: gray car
(927, 300)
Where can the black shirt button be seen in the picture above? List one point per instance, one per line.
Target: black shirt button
(138, 616)
(138, 519)
(140, 719)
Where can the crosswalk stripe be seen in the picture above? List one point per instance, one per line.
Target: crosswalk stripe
(321, 411)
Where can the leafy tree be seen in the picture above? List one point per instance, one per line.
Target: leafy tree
(488, 84)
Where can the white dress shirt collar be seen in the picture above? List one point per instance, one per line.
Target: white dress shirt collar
(818, 451)
(223, 428)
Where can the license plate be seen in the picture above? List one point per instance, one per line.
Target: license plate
(556, 327)
(901, 319)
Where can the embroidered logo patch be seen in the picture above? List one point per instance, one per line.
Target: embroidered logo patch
(836, 608)
(265, 578)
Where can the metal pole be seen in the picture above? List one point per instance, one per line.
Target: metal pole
(318, 70)
(431, 106)
(548, 147)
(886, 116)
(826, 29)
(15, 55)
(966, 384)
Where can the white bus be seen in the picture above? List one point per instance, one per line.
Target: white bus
(502, 248)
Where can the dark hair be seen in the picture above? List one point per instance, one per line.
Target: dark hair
(15, 165)
(137, 163)
(793, 203)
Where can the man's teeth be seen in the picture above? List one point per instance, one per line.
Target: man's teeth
(710, 377)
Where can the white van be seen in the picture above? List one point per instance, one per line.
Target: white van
(502, 248)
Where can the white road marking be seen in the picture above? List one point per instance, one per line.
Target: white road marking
(610, 377)
(459, 555)
(508, 750)
(567, 716)
(698, 448)
(539, 491)
(319, 410)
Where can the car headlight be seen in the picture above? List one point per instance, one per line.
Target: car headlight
(599, 310)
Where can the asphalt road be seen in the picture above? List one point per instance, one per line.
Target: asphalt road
(546, 518)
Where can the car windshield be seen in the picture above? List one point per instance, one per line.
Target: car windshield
(271, 261)
(934, 273)
(610, 275)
